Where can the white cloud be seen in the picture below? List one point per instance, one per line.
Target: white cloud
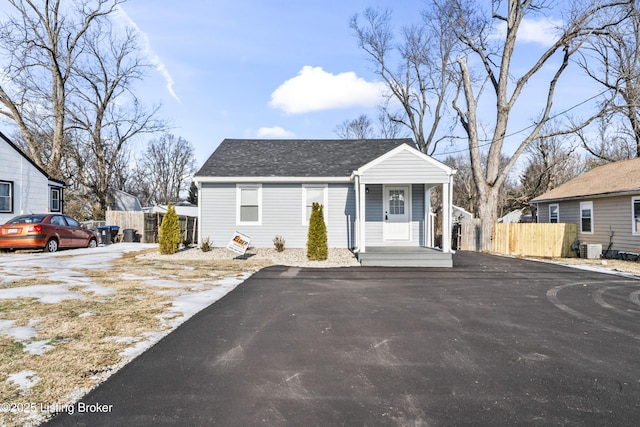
(274, 132)
(541, 31)
(153, 58)
(314, 89)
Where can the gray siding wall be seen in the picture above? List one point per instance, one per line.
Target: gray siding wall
(375, 217)
(404, 167)
(610, 214)
(281, 215)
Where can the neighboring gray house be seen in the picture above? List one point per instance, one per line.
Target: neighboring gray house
(376, 196)
(604, 203)
(24, 186)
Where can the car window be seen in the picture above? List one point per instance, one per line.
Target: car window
(27, 219)
(58, 220)
(72, 222)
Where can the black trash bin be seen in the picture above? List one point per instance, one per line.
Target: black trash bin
(107, 234)
(129, 235)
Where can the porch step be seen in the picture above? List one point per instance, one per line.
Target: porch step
(405, 257)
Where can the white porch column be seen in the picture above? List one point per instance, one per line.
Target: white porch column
(446, 215)
(427, 216)
(362, 211)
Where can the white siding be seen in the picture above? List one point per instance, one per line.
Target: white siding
(404, 167)
(30, 186)
(281, 215)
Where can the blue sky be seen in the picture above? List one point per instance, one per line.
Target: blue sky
(287, 68)
(253, 69)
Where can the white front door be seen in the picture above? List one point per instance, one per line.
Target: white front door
(397, 210)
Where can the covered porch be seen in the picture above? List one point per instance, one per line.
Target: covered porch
(395, 224)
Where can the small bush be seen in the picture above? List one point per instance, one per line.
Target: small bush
(206, 245)
(169, 232)
(278, 242)
(317, 247)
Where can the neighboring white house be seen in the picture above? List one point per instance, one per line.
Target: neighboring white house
(24, 186)
(604, 203)
(375, 193)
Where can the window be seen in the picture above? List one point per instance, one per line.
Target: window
(396, 202)
(554, 213)
(313, 194)
(58, 220)
(586, 217)
(6, 197)
(55, 200)
(249, 201)
(635, 212)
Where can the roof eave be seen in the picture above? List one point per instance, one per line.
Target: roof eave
(587, 196)
(271, 179)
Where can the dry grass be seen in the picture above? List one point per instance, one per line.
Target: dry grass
(88, 335)
(632, 267)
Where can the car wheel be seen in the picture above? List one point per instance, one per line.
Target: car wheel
(52, 245)
(92, 243)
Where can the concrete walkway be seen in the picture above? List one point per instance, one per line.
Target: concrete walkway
(493, 341)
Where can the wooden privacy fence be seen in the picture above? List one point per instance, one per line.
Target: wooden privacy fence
(526, 239)
(148, 224)
(543, 240)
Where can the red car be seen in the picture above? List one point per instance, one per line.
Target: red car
(49, 232)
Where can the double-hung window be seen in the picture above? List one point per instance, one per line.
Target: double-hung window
(554, 213)
(586, 217)
(249, 204)
(55, 200)
(313, 193)
(6, 196)
(635, 213)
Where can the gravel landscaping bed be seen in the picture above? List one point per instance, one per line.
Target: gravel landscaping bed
(289, 257)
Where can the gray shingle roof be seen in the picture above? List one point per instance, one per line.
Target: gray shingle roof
(294, 157)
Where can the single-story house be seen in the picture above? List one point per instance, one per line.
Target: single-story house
(604, 202)
(376, 195)
(24, 186)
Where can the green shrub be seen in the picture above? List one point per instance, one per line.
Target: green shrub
(278, 242)
(317, 248)
(169, 232)
(206, 245)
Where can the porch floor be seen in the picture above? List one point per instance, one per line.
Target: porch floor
(404, 256)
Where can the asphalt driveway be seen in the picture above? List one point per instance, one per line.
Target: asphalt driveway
(493, 341)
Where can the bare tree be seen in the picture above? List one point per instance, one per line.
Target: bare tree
(43, 40)
(613, 61)
(360, 128)
(421, 82)
(364, 128)
(551, 162)
(166, 169)
(475, 28)
(104, 111)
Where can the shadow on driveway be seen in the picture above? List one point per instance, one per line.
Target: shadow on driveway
(493, 341)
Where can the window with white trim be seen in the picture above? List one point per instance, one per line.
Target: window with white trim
(554, 213)
(249, 204)
(586, 217)
(6, 196)
(316, 193)
(55, 202)
(635, 214)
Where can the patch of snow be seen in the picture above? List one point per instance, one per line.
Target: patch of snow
(46, 294)
(19, 333)
(38, 347)
(24, 379)
(86, 314)
(150, 339)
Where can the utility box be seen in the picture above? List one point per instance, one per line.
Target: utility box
(590, 250)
